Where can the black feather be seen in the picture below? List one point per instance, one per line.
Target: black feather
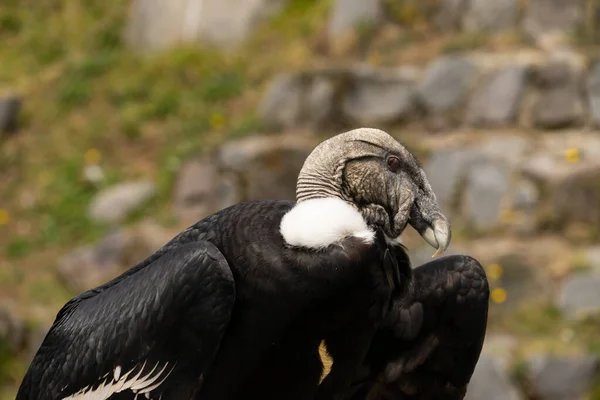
(433, 338)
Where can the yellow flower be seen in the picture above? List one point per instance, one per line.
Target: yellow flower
(572, 155)
(92, 156)
(495, 271)
(4, 217)
(217, 121)
(498, 295)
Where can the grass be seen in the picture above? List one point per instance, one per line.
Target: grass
(84, 89)
(142, 114)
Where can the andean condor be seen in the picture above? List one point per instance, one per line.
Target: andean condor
(235, 306)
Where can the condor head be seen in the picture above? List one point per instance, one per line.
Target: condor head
(378, 176)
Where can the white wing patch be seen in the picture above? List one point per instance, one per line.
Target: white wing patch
(116, 383)
(318, 223)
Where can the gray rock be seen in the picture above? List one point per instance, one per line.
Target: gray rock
(497, 102)
(12, 334)
(592, 258)
(491, 382)
(491, 15)
(559, 108)
(297, 101)
(195, 192)
(580, 296)
(571, 189)
(141, 240)
(508, 149)
(559, 102)
(526, 195)
(448, 18)
(501, 346)
(156, 25)
(265, 167)
(521, 280)
(88, 266)
(548, 16)
(318, 100)
(550, 169)
(347, 16)
(593, 93)
(487, 184)
(379, 97)
(115, 203)
(446, 83)
(577, 198)
(446, 169)
(523, 204)
(554, 74)
(560, 378)
(9, 112)
(451, 170)
(281, 106)
(229, 190)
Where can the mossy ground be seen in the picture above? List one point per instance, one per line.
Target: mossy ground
(87, 98)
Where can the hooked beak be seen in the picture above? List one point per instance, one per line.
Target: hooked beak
(438, 236)
(433, 226)
(427, 218)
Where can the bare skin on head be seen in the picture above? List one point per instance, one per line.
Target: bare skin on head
(375, 174)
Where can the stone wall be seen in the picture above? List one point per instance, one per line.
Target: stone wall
(155, 25)
(539, 21)
(527, 89)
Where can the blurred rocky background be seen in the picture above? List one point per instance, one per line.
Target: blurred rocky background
(121, 123)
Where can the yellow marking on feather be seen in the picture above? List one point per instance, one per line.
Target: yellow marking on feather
(325, 359)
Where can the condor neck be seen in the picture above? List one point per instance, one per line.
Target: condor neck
(320, 222)
(316, 187)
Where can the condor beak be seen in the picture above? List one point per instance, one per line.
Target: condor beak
(438, 236)
(432, 225)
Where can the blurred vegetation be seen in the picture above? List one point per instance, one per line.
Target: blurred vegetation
(89, 99)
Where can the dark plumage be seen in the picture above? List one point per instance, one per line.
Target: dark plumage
(236, 305)
(433, 336)
(174, 307)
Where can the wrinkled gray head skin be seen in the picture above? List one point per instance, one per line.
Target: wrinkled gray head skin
(353, 166)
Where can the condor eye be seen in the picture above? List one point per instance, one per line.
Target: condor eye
(393, 163)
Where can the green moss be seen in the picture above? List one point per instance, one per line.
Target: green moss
(465, 41)
(74, 93)
(18, 247)
(221, 85)
(246, 124)
(10, 23)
